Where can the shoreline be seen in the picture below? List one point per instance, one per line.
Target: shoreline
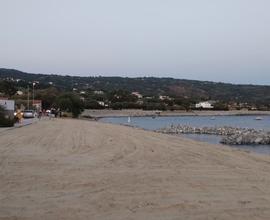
(107, 113)
(241, 139)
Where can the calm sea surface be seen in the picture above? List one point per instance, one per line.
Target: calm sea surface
(150, 123)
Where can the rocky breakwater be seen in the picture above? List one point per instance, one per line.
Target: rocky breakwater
(249, 137)
(230, 135)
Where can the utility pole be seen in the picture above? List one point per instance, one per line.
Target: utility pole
(28, 97)
(33, 94)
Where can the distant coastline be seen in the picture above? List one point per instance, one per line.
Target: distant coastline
(97, 113)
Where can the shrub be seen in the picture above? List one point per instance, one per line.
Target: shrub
(154, 106)
(4, 121)
(71, 103)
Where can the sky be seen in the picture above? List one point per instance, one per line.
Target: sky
(214, 40)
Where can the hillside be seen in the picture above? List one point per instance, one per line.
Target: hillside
(148, 86)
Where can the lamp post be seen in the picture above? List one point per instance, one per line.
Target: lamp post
(28, 97)
(33, 93)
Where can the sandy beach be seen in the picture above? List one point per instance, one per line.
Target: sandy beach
(75, 169)
(138, 112)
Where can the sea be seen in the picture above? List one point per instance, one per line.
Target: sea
(154, 123)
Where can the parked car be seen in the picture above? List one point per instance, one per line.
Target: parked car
(29, 114)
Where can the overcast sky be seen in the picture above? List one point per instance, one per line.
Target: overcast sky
(217, 40)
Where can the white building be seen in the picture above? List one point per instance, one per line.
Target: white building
(98, 92)
(137, 94)
(101, 103)
(19, 92)
(9, 106)
(37, 104)
(164, 97)
(205, 105)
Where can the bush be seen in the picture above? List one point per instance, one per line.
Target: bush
(125, 105)
(176, 107)
(92, 104)
(154, 106)
(71, 103)
(66, 114)
(5, 122)
(220, 106)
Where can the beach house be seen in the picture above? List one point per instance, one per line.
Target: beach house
(204, 105)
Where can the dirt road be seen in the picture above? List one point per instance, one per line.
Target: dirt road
(72, 169)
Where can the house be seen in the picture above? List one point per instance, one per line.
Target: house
(205, 105)
(9, 106)
(164, 97)
(101, 103)
(19, 92)
(137, 94)
(98, 92)
(37, 104)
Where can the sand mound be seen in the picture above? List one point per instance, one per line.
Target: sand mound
(72, 169)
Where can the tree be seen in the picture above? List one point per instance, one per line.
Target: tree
(121, 96)
(71, 103)
(154, 106)
(48, 96)
(8, 88)
(92, 104)
(221, 106)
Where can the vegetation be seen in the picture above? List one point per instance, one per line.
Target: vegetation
(71, 103)
(4, 121)
(72, 94)
(7, 88)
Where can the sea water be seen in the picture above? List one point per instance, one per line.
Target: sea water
(155, 123)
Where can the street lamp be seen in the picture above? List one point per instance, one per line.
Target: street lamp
(28, 97)
(33, 92)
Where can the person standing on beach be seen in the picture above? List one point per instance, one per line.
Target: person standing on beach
(19, 115)
(39, 114)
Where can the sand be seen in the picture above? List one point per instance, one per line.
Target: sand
(74, 169)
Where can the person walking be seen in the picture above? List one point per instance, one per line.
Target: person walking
(19, 115)
(39, 114)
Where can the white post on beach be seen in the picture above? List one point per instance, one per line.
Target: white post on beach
(129, 120)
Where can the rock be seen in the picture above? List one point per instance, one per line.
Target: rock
(258, 140)
(239, 140)
(232, 135)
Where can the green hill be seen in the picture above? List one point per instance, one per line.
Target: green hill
(147, 86)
